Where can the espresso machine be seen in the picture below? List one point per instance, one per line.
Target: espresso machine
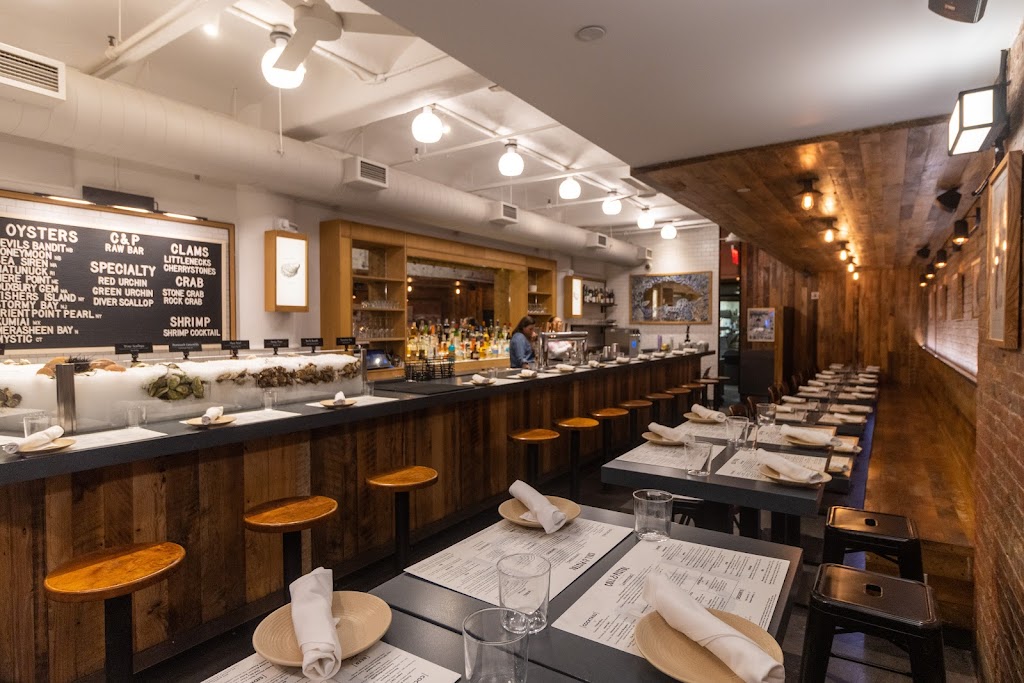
(569, 348)
(626, 339)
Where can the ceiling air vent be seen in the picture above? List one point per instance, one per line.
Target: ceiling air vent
(645, 253)
(505, 214)
(596, 240)
(30, 78)
(365, 174)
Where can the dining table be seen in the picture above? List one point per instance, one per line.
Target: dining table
(568, 653)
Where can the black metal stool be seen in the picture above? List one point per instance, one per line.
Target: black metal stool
(289, 517)
(903, 612)
(678, 393)
(893, 537)
(575, 425)
(401, 482)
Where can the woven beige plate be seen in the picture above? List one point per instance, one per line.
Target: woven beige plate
(512, 509)
(222, 420)
(365, 619)
(675, 655)
(779, 479)
(694, 417)
(330, 403)
(659, 440)
(55, 445)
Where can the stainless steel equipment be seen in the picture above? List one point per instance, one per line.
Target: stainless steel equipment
(563, 347)
(628, 339)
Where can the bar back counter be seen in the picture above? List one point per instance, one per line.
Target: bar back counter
(192, 487)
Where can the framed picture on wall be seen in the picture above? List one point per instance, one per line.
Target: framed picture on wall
(956, 306)
(761, 324)
(286, 271)
(1002, 250)
(671, 299)
(977, 288)
(941, 296)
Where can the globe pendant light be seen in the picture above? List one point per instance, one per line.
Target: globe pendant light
(856, 275)
(645, 221)
(668, 232)
(830, 236)
(569, 189)
(280, 78)
(511, 163)
(843, 252)
(613, 205)
(427, 127)
(850, 267)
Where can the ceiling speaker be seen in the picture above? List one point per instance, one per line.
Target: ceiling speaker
(968, 11)
(949, 200)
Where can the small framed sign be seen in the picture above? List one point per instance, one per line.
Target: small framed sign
(285, 271)
(761, 325)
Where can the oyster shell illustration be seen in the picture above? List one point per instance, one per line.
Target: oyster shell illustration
(290, 268)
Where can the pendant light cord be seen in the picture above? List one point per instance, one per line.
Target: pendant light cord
(280, 126)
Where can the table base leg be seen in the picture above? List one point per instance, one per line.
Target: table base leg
(750, 522)
(715, 516)
(786, 529)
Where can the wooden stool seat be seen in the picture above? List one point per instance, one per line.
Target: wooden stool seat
(608, 413)
(577, 423)
(404, 479)
(533, 435)
(677, 391)
(636, 403)
(692, 386)
(289, 514)
(113, 572)
(708, 380)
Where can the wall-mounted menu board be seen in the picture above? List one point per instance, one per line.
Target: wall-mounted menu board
(72, 277)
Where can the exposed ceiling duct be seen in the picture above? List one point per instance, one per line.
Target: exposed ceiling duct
(118, 120)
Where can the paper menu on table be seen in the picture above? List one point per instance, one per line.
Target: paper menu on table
(675, 457)
(382, 663)
(740, 583)
(469, 567)
(745, 464)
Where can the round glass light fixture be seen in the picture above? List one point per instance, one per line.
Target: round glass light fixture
(856, 275)
(843, 252)
(569, 188)
(830, 236)
(645, 221)
(511, 163)
(280, 78)
(613, 205)
(808, 195)
(668, 232)
(427, 127)
(850, 267)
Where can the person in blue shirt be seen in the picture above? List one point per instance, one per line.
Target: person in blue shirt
(520, 347)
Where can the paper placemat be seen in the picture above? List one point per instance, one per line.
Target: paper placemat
(739, 583)
(360, 401)
(468, 567)
(382, 663)
(676, 457)
(110, 437)
(705, 430)
(745, 464)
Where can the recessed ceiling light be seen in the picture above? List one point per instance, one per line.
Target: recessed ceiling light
(589, 34)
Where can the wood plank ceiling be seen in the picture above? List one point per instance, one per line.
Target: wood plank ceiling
(884, 181)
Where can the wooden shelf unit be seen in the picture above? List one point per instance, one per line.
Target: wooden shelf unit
(540, 273)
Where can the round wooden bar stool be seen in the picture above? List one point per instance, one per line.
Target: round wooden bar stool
(112, 575)
(658, 398)
(677, 393)
(290, 517)
(634, 408)
(605, 416)
(533, 438)
(575, 425)
(401, 482)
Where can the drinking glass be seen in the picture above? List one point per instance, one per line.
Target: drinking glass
(269, 399)
(652, 510)
(765, 417)
(704, 450)
(35, 423)
(135, 415)
(524, 584)
(493, 654)
(367, 388)
(736, 429)
(492, 374)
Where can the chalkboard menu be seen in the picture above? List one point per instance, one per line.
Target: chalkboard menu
(71, 286)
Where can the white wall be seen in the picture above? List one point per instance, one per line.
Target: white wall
(693, 250)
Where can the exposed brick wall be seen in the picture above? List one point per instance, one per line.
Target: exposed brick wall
(952, 330)
(999, 476)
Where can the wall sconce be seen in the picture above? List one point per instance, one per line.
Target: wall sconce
(829, 235)
(961, 232)
(844, 253)
(923, 282)
(941, 258)
(979, 116)
(929, 272)
(808, 195)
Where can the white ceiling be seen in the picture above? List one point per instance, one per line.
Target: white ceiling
(675, 79)
(337, 107)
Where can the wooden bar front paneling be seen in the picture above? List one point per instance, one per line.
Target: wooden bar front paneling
(197, 499)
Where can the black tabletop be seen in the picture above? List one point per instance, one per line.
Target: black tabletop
(568, 653)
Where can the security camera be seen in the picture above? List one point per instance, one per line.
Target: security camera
(647, 266)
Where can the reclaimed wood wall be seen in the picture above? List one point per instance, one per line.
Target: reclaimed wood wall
(197, 499)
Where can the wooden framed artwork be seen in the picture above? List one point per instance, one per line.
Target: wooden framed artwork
(671, 299)
(941, 297)
(1002, 250)
(285, 271)
(956, 306)
(977, 288)
(761, 325)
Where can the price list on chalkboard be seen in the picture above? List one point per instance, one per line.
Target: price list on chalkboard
(63, 285)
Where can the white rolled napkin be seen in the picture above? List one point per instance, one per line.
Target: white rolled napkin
(594, 363)
(784, 409)
(874, 368)
(825, 374)
(480, 379)
(862, 410)
(622, 359)
(706, 414)
(686, 615)
(849, 418)
(315, 626)
(550, 517)
(816, 383)
(527, 373)
(815, 436)
(562, 367)
(658, 354)
(671, 433)
(34, 440)
(212, 414)
(794, 399)
(787, 469)
(643, 356)
(835, 366)
(339, 397)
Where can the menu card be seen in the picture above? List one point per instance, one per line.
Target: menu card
(746, 465)
(382, 663)
(740, 583)
(676, 457)
(469, 566)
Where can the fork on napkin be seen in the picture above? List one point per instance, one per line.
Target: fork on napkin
(686, 615)
(315, 625)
